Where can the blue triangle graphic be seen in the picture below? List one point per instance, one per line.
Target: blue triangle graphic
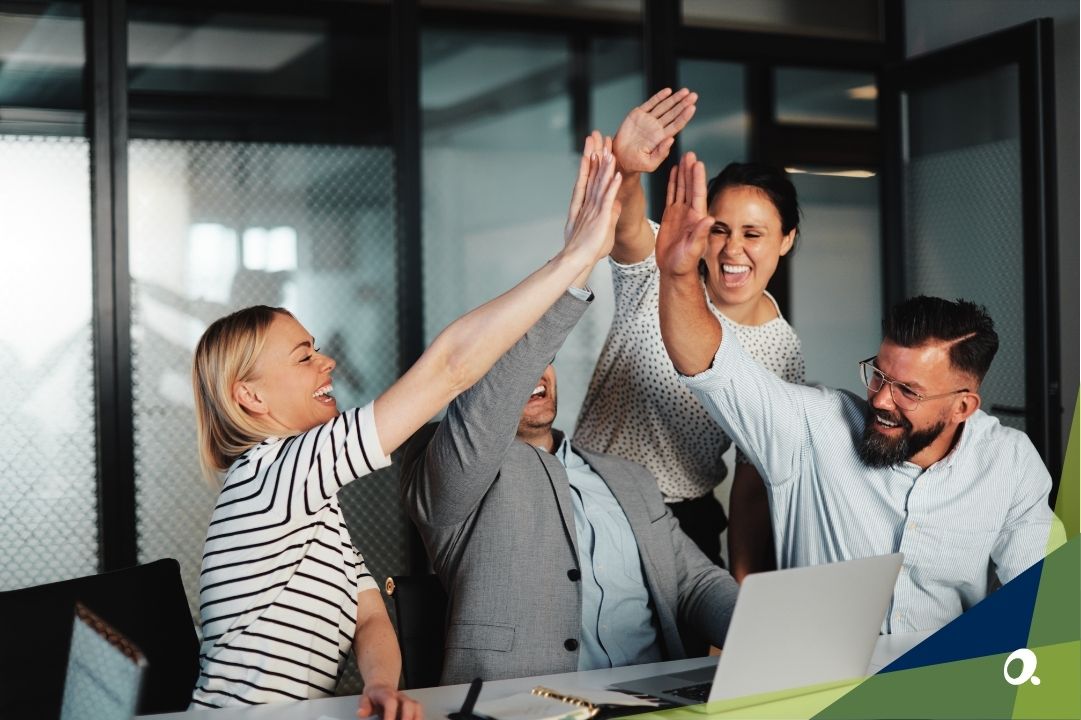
(998, 624)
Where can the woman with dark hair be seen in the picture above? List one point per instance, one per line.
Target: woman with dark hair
(636, 407)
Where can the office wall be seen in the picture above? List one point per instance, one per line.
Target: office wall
(933, 24)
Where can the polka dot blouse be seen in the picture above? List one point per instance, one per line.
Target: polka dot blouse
(637, 408)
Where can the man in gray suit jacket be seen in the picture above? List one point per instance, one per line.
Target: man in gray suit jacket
(555, 559)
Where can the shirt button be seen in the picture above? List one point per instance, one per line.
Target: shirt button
(571, 644)
(574, 574)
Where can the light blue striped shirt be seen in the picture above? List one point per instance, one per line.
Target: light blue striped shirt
(617, 614)
(980, 511)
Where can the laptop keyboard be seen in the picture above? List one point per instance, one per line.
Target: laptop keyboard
(694, 693)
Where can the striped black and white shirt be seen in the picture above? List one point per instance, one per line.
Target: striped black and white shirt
(981, 508)
(280, 577)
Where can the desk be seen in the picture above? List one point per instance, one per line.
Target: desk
(439, 701)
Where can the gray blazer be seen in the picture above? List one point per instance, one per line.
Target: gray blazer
(497, 520)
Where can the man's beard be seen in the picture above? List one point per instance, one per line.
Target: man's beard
(878, 451)
(537, 421)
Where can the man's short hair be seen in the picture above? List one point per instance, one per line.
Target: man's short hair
(965, 325)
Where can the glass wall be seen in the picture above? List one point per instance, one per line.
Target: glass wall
(835, 272)
(48, 489)
(809, 96)
(218, 226)
(258, 175)
(719, 131)
(849, 19)
(499, 161)
(962, 185)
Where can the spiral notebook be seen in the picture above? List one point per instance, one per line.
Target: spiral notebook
(105, 671)
(543, 703)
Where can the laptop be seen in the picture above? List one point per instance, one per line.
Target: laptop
(790, 629)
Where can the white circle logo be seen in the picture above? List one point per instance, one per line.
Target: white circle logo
(1028, 667)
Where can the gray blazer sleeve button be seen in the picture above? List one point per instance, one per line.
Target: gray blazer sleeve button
(574, 574)
(571, 644)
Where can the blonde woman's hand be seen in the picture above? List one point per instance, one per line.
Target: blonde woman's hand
(595, 143)
(389, 703)
(684, 231)
(647, 133)
(594, 210)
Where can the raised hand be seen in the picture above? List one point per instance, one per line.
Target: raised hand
(595, 144)
(594, 210)
(684, 231)
(690, 332)
(647, 133)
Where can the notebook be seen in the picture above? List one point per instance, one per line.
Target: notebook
(791, 629)
(543, 703)
(105, 671)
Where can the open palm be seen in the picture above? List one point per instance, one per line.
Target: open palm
(684, 230)
(647, 133)
(594, 209)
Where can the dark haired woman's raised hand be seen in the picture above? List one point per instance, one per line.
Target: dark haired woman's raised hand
(647, 133)
(685, 225)
(690, 332)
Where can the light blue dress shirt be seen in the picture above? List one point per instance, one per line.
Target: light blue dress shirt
(981, 509)
(617, 614)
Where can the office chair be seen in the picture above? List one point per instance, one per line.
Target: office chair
(420, 609)
(146, 603)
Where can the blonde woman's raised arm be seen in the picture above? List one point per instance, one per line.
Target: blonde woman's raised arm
(469, 346)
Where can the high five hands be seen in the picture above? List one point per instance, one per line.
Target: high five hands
(594, 209)
(684, 232)
(647, 133)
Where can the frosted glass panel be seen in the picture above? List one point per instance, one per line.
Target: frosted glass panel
(836, 277)
(48, 487)
(499, 161)
(220, 226)
(963, 215)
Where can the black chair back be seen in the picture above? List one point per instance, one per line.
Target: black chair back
(146, 603)
(420, 607)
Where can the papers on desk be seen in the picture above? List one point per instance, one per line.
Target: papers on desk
(565, 703)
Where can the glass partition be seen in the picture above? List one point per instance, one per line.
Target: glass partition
(48, 490)
(849, 19)
(963, 215)
(808, 96)
(499, 160)
(720, 127)
(256, 176)
(835, 272)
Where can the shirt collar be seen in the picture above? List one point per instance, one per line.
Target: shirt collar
(950, 457)
(565, 453)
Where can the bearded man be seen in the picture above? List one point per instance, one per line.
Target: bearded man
(917, 467)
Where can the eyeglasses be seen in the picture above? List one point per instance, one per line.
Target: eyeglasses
(903, 396)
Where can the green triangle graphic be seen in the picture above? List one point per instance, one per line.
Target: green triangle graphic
(1068, 503)
(1058, 695)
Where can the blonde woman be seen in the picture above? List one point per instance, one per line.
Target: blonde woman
(284, 593)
